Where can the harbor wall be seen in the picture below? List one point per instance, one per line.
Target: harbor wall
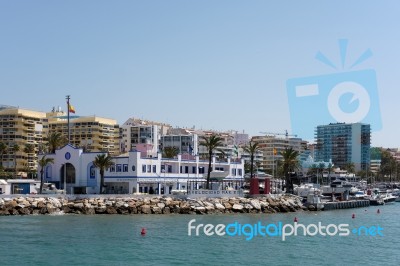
(147, 205)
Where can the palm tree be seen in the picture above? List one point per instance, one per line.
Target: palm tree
(313, 169)
(321, 168)
(211, 143)
(3, 150)
(350, 168)
(170, 152)
(42, 163)
(330, 168)
(102, 161)
(290, 163)
(15, 149)
(55, 140)
(251, 149)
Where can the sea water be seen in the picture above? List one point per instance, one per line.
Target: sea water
(116, 240)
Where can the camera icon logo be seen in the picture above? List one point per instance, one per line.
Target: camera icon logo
(349, 97)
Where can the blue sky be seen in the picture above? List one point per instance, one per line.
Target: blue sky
(211, 64)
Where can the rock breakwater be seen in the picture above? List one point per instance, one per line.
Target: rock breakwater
(153, 205)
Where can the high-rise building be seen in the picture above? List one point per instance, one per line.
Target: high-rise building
(92, 133)
(272, 147)
(143, 136)
(343, 144)
(21, 128)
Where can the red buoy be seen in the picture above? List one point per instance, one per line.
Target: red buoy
(143, 231)
(353, 216)
(378, 211)
(295, 219)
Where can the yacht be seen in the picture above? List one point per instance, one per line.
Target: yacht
(305, 189)
(339, 185)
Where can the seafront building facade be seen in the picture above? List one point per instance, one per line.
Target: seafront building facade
(132, 173)
(92, 133)
(343, 144)
(21, 127)
(142, 135)
(272, 147)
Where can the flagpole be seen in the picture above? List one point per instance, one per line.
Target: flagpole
(69, 134)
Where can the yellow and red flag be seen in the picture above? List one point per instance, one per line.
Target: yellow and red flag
(71, 109)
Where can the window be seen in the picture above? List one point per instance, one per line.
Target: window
(180, 169)
(219, 168)
(240, 172)
(186, 169)
(92, 172)
(201, 170)
(133, 168)
(148, 168)
(112, 168)
(119, 168)
(162, 168)
(193, 169)
(154, 168)
(234, 172)
(169, 168)
(144, 168)
(125, 168)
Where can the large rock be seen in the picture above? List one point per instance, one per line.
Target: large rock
(111, 210)
(157, 210)
(101, 209)
(219, 206)
(237, 207)
(256, 204)
(78, 206)
(145, 209)
(25, 211)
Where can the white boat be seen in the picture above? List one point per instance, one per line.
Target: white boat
(387, 197)
(305, 189)
(360, 194)
(339, 186)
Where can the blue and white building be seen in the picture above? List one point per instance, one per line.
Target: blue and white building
(132, 173)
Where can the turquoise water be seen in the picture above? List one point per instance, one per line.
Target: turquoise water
(116, 240)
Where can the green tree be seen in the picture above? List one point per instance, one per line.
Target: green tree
(211, 143)
(42, 163)
(313, 169)
(252, 148)
(170, 152)
(15, 149)
(350, 167)
(30, 149)
(3, 150)
(290, 163)
(102, 161)
(321, 168)
(56, 140)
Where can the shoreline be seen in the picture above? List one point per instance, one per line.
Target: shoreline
(130, 205)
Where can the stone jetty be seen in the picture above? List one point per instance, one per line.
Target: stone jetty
(147, 205)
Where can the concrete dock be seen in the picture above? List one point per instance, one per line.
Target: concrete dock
(345, 204)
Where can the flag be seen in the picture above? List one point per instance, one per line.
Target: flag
(71, 109)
